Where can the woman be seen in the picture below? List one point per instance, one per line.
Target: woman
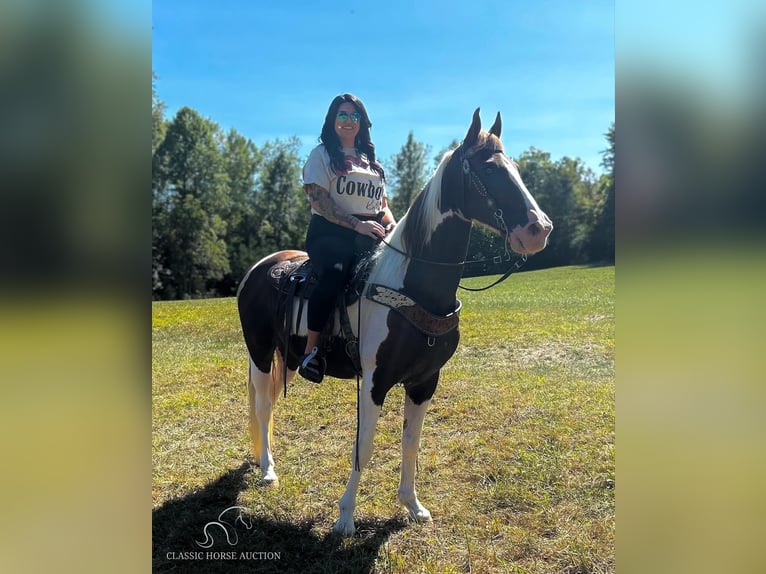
(346, 188)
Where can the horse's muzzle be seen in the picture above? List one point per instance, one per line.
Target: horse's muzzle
(533, 237)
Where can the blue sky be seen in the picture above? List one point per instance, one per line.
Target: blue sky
(270, 69)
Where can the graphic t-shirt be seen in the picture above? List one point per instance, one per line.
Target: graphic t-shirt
(360, 190)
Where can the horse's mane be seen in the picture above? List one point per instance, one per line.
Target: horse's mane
(425, 214)
(413, 232)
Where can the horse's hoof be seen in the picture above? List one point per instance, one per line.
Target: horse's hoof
(420, 515)
(344, 527)
(416, 511)
(270, 478)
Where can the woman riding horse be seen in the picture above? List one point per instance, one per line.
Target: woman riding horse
(347, 190)
(406, 318)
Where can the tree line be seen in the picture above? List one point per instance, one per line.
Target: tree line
(220, 203)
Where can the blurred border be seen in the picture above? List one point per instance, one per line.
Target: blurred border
(75, 256)
(690, 283)
(75, 252)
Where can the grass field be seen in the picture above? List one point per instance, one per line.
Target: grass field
(516, 463)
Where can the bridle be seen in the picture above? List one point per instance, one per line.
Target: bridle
(472, 180)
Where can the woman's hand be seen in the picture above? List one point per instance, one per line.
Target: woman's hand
(370, 229)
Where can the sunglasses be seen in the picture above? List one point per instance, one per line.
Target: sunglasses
(343, 116)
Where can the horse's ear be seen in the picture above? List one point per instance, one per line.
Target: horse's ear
(473, 132)
(497, 126)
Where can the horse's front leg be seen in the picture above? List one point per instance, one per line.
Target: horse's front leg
(368, 418)
(411, 429)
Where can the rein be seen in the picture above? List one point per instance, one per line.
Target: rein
(471, 177)
(512, 269)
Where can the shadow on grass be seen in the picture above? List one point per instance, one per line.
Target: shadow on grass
(255, 544)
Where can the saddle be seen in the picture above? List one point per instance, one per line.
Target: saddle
(292, 276)
(295, 278)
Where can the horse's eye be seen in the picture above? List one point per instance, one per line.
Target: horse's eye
(489, 169)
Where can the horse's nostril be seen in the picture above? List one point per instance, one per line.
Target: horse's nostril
(534, 229)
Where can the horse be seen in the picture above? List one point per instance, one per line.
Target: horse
(406, 315)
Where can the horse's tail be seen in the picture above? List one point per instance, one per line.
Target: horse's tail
(265, 404)
(277, 376)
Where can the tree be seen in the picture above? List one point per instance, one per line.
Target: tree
(563, 190)
(281, 209)
(601, 243)
(584, 197)
(158, 117)
(190, 198)
(158, 135)
(407, 175)
(607, 160)
(242, 163)
(196, 249)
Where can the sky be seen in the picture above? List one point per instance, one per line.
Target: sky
(269, 70)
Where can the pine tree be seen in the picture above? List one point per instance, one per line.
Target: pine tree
(282, 210)
(601, 243)
(407, 176)
(243, 162)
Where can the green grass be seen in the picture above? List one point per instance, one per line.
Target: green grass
(516, 463)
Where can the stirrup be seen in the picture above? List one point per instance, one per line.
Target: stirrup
(312, 366)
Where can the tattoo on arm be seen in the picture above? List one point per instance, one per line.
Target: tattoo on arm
(323, 204)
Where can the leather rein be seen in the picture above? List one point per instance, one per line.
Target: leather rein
(471, 179)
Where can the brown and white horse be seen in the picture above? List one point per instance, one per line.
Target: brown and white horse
(422, 265)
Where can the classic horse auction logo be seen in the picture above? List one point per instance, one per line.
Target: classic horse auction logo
(229, 529)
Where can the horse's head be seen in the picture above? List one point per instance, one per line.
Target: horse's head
(493, 193)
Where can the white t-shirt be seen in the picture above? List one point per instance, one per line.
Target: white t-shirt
(359, 191)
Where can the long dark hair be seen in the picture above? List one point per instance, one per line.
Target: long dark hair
(363, 143)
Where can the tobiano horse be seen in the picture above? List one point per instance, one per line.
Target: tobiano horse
(406, 315)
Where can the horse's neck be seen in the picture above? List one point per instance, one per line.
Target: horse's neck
(438, 240)
(434, 286)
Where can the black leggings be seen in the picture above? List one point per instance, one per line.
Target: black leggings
(334, 251)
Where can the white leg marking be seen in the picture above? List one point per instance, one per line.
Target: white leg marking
(368, 418)
(264, 406)
(413, 425)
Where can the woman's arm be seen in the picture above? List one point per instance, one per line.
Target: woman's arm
(388, 220)
(322, 203)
